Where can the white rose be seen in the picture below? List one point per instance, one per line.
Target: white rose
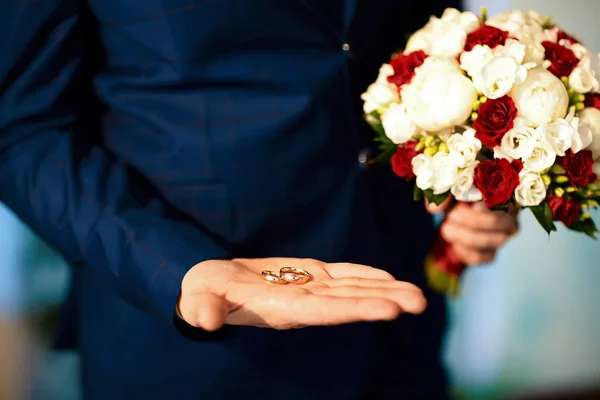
(445, 171)
(595, 62)
(396, 124)
(499, 76)
(513, 49)
(423, 170)
(582, 139)
(541, 98)
(589, 119)
(596, 168)
(534, 52)
(578, 49)
(531, 190)
(534, 16)
(473, 61)
(463, 188)
(541, 159)
(583, 78)
(561, 133)
(440, 99)
(464, 147)
(519, 142)
(500, 154)
(380, 93)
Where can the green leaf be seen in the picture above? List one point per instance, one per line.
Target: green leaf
(501, 207)
(386, 148)
(417, 194)
(543, 214)
(586, 226)
(437, 199)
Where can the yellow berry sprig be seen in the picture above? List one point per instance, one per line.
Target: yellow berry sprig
(576, 100)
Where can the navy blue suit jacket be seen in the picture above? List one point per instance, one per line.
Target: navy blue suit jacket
(140, 137)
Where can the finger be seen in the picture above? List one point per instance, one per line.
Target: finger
(475, 257)
(204, 310)
(348, 270)
(443, 207)
(484, 220)
(333, 310)
(459, 235)
(380, 283)
(408, 300)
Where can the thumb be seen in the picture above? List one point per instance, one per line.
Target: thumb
(442, 208)
(204, 310)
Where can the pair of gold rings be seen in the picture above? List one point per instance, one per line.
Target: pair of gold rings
(295, 276)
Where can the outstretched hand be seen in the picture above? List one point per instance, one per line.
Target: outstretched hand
(221, 292)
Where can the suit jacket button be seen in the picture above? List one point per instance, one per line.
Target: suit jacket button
(364, 157)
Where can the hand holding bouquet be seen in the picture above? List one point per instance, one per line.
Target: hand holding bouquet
(502, 110)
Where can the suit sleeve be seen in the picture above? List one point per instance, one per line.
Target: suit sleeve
(81, 199)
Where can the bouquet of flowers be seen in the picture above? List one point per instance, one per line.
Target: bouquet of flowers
(502, 110)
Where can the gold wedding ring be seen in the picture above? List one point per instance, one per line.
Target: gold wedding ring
(273, 277)
(295, 276)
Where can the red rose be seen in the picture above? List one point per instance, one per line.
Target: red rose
(592, 100)
(494, 118)
(404, 67)
(562, 59)
(486, 35)
(517, 165)
(496, 180)
(579, 167)
(564, 35)
(565, 210)
(402, 160)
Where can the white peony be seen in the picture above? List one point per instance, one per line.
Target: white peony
(423, 170)
(466, 20)
(463, 188)
(541, 98)
(438, 64)
(589, 120)
(445, 171)
(445, 36)
(583, 79)
(519, 142)
(439, 99)
(531, 190)
(561, 133)
(381, 93)
(464, 147)
(499, 76)
(542, 157)
(397, 125)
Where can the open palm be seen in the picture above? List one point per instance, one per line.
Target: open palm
(220, 292)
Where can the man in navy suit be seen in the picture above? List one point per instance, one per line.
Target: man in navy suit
(170, 149)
